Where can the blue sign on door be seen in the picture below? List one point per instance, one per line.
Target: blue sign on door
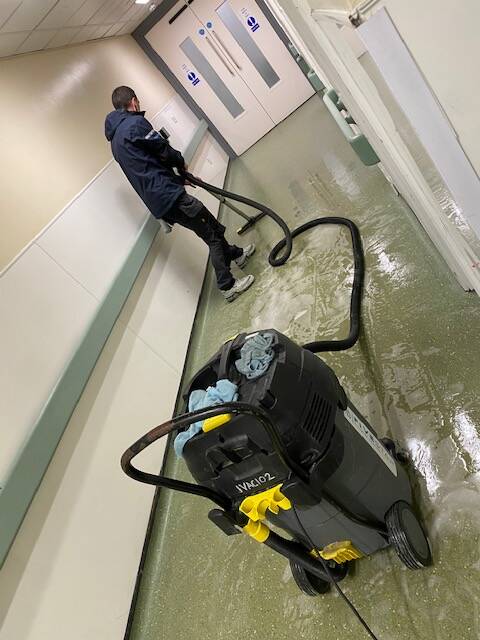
(194, 79)
(253, 24)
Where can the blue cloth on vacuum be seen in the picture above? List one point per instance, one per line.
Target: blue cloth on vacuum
(223, 391)
(256, 355)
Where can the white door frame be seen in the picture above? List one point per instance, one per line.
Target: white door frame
(335, 63)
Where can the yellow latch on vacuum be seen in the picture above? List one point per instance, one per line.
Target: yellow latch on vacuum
(340, 552)
(255, 507)
(216, 421)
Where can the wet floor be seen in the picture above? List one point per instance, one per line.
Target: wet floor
(414, 375)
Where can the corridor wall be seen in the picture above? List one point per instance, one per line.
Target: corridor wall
(71, 569)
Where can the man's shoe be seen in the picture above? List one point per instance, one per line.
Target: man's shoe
(247, 253)
(241, 285)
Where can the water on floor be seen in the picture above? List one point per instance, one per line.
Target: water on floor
(413, 375)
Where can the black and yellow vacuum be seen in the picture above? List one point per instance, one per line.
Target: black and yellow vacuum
(293, 452)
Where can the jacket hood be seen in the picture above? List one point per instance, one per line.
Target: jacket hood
(113, 120)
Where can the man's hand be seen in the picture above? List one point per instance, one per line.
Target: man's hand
(186, 182)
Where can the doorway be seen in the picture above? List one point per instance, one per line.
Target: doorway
(233, 64)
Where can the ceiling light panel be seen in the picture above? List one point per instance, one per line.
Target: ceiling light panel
(86, 12)
(36, 40)
(63, 37)
(60, 14)
(84, 34)
(28, 15)
(134, 12)
(100, 17)
(7, 7)
(113, 30)
(9, 42)
(119, 10)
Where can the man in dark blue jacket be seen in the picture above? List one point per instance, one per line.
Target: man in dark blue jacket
(148, 161)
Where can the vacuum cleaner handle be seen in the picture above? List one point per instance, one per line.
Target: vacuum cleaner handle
(226, 353)
(163, 481)
(237, 408)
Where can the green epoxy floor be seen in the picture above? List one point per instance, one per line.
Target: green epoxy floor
(414, 375)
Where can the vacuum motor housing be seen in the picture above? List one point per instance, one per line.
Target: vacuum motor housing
(353, 480)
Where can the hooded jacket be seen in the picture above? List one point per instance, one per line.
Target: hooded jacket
(146, 159)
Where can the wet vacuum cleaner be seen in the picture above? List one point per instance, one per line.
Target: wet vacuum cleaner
(293, 452)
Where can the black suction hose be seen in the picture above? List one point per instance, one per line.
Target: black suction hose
(273, 258)
(284, 248)
(357, 286)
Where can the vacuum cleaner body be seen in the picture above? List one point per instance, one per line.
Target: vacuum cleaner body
(353, 480)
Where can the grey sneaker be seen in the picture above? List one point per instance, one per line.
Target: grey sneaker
(247, 253)
(241, 285)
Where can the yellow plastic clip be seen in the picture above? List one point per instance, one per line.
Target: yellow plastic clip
(216, 421)
(255, 507)
(340, 552)
(257, 530)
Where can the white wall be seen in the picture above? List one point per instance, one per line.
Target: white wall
(52, 292)
(443, 39)
(57, 102)
(337, 65)
(420, 107)
(71, 570)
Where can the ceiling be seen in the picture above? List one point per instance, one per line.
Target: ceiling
(33, 25)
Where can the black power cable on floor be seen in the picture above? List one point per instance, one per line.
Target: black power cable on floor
(326, 568)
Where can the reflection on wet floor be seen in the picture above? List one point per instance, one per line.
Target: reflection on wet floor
(413, 375)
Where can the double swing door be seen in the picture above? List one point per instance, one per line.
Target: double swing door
(233, 64)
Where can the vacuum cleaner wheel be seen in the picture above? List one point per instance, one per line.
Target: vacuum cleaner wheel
(308, 583)
(407, 537)
(311, 584)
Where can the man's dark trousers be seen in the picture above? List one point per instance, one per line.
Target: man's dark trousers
(192, 214)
